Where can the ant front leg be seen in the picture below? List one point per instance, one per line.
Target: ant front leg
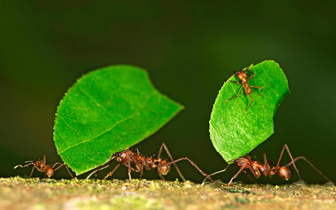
(111, 173)
(236, 175)
(217, 172)
(28, 163)
(102, 167)
(251, 74)
(130, 168)
(192, 163)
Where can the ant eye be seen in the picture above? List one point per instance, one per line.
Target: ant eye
(241, 162)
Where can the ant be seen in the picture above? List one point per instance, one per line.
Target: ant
(256, 168)
(242, 76)
(137, 162)
(43, 167)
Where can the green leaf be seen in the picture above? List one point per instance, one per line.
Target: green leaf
(107, 111)
(234, 133)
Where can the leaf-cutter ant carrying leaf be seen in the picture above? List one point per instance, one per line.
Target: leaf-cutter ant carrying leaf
(138, 163)
(257, 169)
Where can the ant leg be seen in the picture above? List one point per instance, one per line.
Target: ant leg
(259, 88)
(129, 168)
(250, 73)
(192, 163)
(249, 104)
(235, 82)
(97, 170)
(31, 173)
(29, 162)
(60, 165)
(162, 177)
(236, 175)
(163, 145)
(102, 167)
(111, 173)
(217, 172)
(141, 173)
(266, 172)
(22, 166)
(290, 155)
(241, 88)
(301, 157)
(44, 160)
(249, 70)
(249, 176)
(242, 169)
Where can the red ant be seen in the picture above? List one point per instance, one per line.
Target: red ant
(242, 76)
(256, 168)
(43, 167)
(138, 162)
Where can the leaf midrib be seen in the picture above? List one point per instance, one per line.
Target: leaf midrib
(109, 129)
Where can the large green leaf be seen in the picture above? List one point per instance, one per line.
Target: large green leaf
(234, 133)
(106, 111)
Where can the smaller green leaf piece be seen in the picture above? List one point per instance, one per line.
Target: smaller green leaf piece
(107, 111)
(234, 133)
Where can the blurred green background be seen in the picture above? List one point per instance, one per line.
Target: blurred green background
(189, 49)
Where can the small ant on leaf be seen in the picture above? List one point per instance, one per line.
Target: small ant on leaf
(43, 167)
(137, 162)
(244, 78)
(256, 168)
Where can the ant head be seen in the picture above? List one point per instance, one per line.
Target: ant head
(40, 164)
(241, 74)
(49, 172)
(243, 161)
(285, 173)
(163, 169)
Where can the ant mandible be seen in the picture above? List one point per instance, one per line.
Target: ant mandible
(256, 168)
(137, 162)
(43, 167)
(242, 76)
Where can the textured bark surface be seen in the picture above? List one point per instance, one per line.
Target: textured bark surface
(19, 193)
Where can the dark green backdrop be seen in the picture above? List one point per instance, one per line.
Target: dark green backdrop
(189, 48)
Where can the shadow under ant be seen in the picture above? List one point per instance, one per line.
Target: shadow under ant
(257, 169)
(136, 162)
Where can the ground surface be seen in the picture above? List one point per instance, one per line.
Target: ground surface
(19, 193)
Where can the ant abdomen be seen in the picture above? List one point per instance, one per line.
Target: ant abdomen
(163, 169)
(285, 173)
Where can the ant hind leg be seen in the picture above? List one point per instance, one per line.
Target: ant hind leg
(301, 157)
(163, 146)
(291, 157)
(61, 165)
